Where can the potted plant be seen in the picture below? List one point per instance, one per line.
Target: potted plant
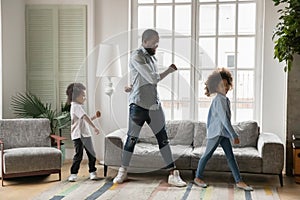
(28, 105)
(287, 32)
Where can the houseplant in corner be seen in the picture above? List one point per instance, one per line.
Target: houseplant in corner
(28, 105)
(287, 32)
(287, 48)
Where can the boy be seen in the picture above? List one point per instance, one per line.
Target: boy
(80, 133)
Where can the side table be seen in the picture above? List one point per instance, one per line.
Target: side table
(296, 160)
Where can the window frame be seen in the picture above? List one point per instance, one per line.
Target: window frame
(194, 76)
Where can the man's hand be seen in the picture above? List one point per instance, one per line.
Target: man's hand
(173, 66)
(236, 141)
(128, 88)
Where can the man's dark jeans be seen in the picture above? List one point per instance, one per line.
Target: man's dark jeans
(156, 121)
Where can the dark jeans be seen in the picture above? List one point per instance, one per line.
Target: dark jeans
(80, 144)
(156, 121)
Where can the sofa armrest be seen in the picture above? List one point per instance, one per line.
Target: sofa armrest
(114, 143)
(1, 146)
(58, 139)
(271, 149)
(2, 159)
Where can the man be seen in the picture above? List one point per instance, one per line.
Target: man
(145, 106)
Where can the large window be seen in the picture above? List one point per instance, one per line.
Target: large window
(198, 36)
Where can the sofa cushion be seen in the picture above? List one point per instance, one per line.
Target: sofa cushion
(18, 160)
(248, 133)
(248, 159)
(199, 134)
(149, 156)
(180, 132)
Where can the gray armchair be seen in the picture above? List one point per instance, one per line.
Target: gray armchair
(26, 148)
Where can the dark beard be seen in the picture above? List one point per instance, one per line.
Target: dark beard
(150, 51)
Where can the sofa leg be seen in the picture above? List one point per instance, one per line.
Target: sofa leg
(59, 176)
(105, 170)
(2, 181)
(280, 179)
(193, 174)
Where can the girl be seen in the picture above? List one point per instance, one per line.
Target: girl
(219, 128)
(80, 133)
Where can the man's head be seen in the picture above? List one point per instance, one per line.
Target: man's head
(150, 40)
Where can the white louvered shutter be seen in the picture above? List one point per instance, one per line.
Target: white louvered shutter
(55, 50)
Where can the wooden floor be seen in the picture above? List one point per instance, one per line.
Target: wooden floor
(27, 187)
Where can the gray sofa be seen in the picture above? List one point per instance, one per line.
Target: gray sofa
(26, 148)
(260, 153)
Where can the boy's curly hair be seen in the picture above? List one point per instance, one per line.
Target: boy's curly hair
(73, 91)
(215, 78)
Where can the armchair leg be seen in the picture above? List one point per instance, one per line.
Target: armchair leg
(59, 176)
(105, 170)
(280, 179)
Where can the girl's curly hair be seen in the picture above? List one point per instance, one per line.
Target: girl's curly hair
(215, 78)
(73, 91)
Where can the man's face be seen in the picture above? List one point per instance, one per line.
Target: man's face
(151, 45)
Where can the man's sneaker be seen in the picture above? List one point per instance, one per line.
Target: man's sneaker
(174, 179)
(93, 176)
(72, 177)
(122, 176)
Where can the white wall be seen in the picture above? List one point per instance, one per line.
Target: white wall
(13, 52)
(274, 80)
(110, 19)
(111, 26)
(1, 82)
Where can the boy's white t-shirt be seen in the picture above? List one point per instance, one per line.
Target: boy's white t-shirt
(79, 127)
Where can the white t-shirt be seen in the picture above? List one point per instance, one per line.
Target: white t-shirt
(79, 127)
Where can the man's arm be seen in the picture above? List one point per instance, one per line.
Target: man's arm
(142, 67)
(171, 68)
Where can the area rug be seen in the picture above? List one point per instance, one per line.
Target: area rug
(151, 189)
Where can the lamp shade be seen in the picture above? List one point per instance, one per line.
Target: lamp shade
(109, 63)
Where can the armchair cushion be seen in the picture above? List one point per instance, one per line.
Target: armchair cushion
(19, 160)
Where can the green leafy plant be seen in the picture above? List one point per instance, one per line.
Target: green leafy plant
(28, 105)
(287, 32)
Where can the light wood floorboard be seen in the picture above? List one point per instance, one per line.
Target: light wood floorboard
(27, 187)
